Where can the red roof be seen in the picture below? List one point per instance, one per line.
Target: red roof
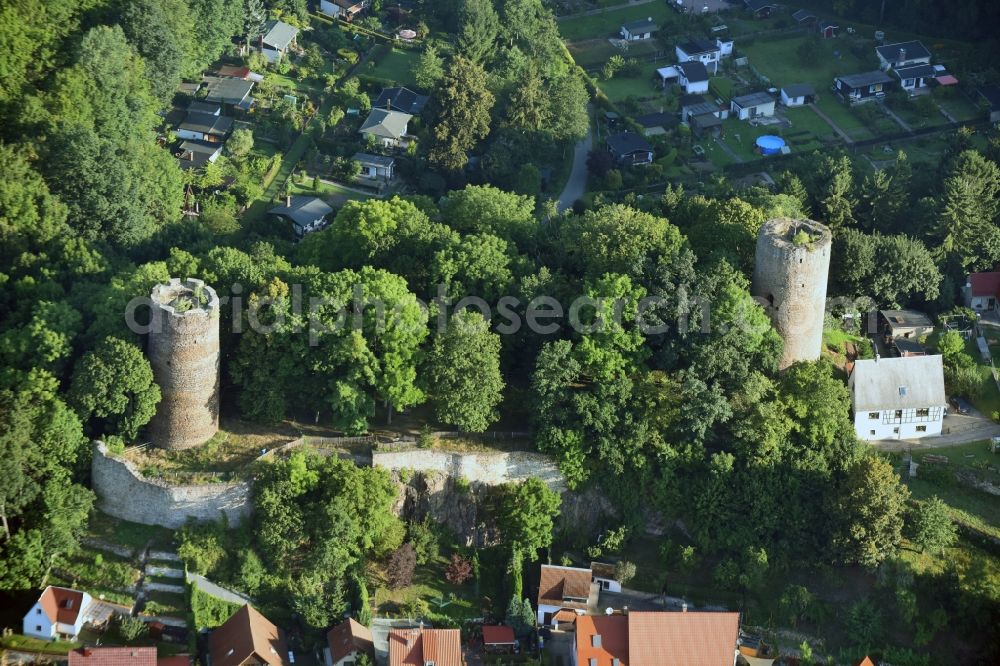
(349, 637)
(602, 640)
(244, 635)
(562, 586)
(682, 639)
(984, 284)
(499, 635)
(416, 647)
(867, 661)
(61, 604)
(113, 656)
(947, 80)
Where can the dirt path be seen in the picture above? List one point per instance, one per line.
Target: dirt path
(576, 186)
(729, 151)
(605, 10)
(833, 125)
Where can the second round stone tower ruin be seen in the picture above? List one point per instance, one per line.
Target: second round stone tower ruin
(789, 279)
(184, 353)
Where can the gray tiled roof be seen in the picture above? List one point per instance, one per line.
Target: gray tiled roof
(899, 383)
(388, 124)
(278, 34)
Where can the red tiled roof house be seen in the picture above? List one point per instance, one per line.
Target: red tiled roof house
(564, 588)
(248, 638)
(657, 639)
(58, 613)
(346, 642)
(982, 291)
(421, 647)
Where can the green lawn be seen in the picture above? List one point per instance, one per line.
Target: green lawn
(395, 66)
(959, 107)
(591, 53)
(805, 119)
(133, 535)
(968, 505)
(165, 603)
(455, 601)
(18, 642)
(778, 60)
(642, 85)
(608, 23)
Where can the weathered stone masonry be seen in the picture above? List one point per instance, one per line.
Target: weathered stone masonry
(123, 492)
(789, 280)
(184, 353)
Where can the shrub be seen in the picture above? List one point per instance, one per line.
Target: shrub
(458, 570)
(401, 565)
(130, 627)
(624, 572)
(424, 541)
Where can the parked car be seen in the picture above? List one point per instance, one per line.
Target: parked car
(961, 406)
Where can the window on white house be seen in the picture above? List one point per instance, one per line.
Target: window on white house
(921, 428)
(871, 432)
(899, 413)
(874, 416)
(895, 431)
(38, 627)
(924, 412)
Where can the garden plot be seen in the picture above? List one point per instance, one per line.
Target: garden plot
(593, 53)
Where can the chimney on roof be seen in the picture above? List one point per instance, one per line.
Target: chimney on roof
(684, 607)
(288, 200)
(86, 652)
(902, 55)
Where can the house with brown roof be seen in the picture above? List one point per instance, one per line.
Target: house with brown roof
(420, 647)
(604, 576)
(58, 613)
(248, 638)
(602, 640)
(113, 656)
(672, 638)
(124, 656)
(346, 642)
(657, 638)
(982, 291)
(565, 589)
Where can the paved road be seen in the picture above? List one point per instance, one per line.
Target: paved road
(958, 429)
(576, 186)
(833, 125)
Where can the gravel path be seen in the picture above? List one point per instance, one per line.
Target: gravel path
(576, 186)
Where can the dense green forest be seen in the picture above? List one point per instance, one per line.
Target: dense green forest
(693, 423)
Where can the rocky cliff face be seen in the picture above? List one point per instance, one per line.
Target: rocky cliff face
(461, 506)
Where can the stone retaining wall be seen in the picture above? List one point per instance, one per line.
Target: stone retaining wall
(123, 492)
(489, 468)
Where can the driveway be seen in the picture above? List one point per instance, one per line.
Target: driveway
(576, 186)
(958, 429)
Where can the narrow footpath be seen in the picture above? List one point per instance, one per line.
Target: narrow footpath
(576, 186)
(829, 121)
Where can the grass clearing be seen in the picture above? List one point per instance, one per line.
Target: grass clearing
(395, 66)
(457, 602)
(607, 24)
(969, 505)
(31, 644)
(133, 535)
(166, 604)
(642, 86)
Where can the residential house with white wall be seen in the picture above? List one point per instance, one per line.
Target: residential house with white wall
(58, 613)
(569, 589)
(898, 398)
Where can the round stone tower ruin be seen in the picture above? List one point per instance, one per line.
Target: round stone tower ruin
(789, 280)
(184, 353)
